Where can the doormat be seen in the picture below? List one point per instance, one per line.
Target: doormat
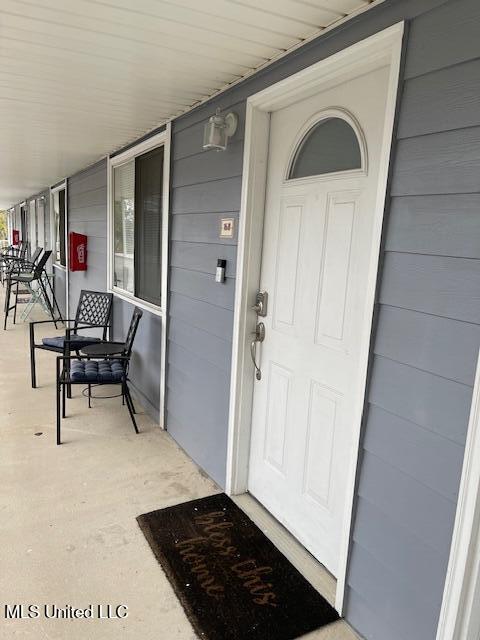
(231, 580)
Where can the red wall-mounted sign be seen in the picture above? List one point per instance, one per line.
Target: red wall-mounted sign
(78, 251)
(15, 237)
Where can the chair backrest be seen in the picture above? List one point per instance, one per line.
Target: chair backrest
(132, 330)
(26, 266)
(94, 308)
(36, 255)
(23, 249)
(39, 267)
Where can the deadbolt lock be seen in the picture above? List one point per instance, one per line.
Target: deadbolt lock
(261, 304)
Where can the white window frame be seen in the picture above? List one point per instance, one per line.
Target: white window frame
(53, 191)
(55, 264)
(160, 139)
(10, 225)
(32, 224)
(40, 237)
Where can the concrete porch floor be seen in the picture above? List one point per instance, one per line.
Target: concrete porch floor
(68, 533)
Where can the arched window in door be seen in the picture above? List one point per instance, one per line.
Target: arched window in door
(329, 146)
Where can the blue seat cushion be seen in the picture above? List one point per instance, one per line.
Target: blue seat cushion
(76, 342)
(96, 371)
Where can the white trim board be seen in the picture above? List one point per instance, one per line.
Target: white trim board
(58, 187)
(161, 139)
(381, 49)
(460, 613)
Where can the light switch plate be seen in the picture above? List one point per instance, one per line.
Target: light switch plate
(227, 227)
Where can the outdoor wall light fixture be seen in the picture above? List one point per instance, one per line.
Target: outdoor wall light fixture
(218, 130)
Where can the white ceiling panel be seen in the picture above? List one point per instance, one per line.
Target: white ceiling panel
(81, 78)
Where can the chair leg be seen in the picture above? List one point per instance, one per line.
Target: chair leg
(130, 407)
(33, 372)
(15, 305)
(69, 386)
(55, 303)
(47, 299)
(7, 303)
(89, 396)
(64, 402)
(129, 397)
(59, 402)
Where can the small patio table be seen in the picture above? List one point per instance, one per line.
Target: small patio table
(103, 349)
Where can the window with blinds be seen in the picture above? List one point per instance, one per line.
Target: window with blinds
(137, 226)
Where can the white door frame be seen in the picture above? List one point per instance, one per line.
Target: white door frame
(381, 49)
(53, 190)
(461, 596)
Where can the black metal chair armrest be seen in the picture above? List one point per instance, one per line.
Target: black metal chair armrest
(50, 321)
(35, 322)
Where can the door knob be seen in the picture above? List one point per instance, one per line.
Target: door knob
(259, 336)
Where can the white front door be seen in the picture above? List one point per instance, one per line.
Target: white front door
(324, 157)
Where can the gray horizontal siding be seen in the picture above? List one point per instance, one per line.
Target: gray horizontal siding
(198, 397)
(437, 225)
(146, 358)
(443, 38)
(398, 549)
(432, 343)
(206, 187)
(202, 344)
(189, 141)
(426, 456)
(87, 199)
(60, 280)
(206, 166)
(87, 214)
(444, 100)
(202, 315)
(427, 337)
(220, 196)
(453, 285)
(202, 257)
(432, 402)
(194, 227)
(396, 493)
(380, 586)
(445, 162)
(202, 286)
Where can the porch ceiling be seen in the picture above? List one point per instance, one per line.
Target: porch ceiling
(81, 78)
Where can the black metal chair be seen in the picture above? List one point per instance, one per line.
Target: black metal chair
(87, 371)
(26, 273)
(94, 311)
(9, 257)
